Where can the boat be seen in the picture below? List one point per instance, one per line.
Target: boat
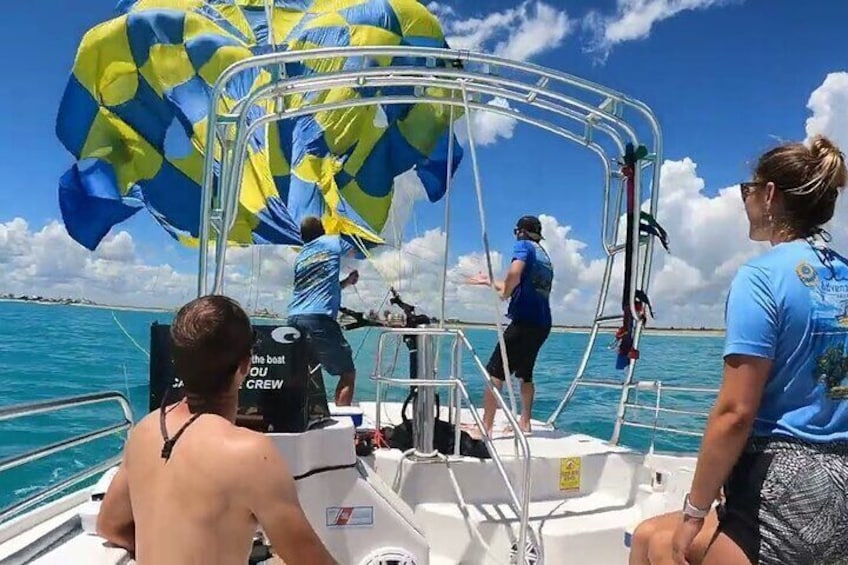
(553, 496)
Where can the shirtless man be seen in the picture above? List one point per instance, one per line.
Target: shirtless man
(197, 494)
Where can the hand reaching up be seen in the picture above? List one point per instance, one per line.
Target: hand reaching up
(480, 279)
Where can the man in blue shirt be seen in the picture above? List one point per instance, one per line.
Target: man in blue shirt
(528, 286)
(316, 299)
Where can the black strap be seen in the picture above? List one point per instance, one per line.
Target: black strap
(168, 445)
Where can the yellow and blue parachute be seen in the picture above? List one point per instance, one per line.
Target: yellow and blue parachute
(134, 116)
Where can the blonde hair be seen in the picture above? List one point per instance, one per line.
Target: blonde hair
(809, 180)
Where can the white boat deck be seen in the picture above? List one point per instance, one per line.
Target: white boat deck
(586, 496)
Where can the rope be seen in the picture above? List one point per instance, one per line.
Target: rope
(251, 279)
(131, 338)
(369, 328)
(448, 186)
(258, 277)
(127, 384)
(369, 257)
(479, 189)
(399, 240)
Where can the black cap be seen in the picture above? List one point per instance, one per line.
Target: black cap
(530, 224)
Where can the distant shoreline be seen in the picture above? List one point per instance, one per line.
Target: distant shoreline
(458, 324)
(676, 332)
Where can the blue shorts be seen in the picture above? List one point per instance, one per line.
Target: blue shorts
(326, 342)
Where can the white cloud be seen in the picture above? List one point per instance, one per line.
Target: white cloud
(827, 104)
(440, 10)
(634, 19)
(47, 262)
(829, 107)
(538, 30)
(520, 33)
(487, 127)
(689, 286)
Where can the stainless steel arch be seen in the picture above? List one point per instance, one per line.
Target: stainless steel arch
(614, 100)
(230, 194)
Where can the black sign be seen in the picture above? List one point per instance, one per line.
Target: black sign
(279, 394)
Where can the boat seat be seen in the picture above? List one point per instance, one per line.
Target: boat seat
(670, 481)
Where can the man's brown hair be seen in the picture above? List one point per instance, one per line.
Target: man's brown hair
(311, 229)
(210, 337)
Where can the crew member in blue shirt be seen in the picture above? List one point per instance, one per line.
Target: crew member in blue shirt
(777, 436)
(528, 287)
(316, 299)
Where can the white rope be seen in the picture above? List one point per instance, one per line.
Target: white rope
(479, 189)
(448, 186)
(131, 338)
(369, 328)
(250, 280)
(399, 240)
(258, 279)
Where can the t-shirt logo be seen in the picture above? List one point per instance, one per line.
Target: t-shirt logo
(829, 299)
(807, 274)
(832, 368)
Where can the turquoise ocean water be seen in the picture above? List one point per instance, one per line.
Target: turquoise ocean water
(50, 351)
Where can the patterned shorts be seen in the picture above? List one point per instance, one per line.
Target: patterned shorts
(787, 503)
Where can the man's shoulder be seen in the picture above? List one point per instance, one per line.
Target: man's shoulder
(247, 443)
(329, 239)
(228, 436)
(524, 247)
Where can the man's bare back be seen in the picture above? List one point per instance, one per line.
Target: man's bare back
(202, 505)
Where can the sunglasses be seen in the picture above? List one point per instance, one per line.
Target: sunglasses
(746, 188)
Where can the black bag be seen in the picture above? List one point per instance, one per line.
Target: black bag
(444, 435)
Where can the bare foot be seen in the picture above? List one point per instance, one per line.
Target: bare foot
(525, 426)
(477, 433)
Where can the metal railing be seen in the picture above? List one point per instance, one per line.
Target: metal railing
(559, 94)
(658, 388)
(49, 406)
(574, 109)
(455, 384)
(627, 406)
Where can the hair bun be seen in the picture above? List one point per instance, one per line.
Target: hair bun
(830, 162)
(821, 148)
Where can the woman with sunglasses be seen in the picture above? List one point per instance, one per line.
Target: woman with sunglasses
(777, 436)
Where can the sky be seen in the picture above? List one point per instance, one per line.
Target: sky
(727, 79)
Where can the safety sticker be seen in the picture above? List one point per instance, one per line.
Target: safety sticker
(350, 516)
(569, 474)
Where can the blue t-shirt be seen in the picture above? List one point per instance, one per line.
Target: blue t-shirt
(530, 301)
(791, 305)
(317, 289)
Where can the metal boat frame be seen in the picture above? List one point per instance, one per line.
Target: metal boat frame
(577, 110)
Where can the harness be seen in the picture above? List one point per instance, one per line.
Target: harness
(648, 227)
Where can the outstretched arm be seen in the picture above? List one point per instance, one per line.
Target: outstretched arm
(506, 286)
(115, 521)
(272, 498)
(513, 277)
(351, 279)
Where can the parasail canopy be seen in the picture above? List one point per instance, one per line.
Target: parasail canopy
(134, 115)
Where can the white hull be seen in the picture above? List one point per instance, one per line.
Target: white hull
(454, 511)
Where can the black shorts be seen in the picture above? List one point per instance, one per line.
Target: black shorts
(787, 503)
(523, 342)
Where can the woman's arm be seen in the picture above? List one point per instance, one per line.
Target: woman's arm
(729, 426)
(752, 327)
